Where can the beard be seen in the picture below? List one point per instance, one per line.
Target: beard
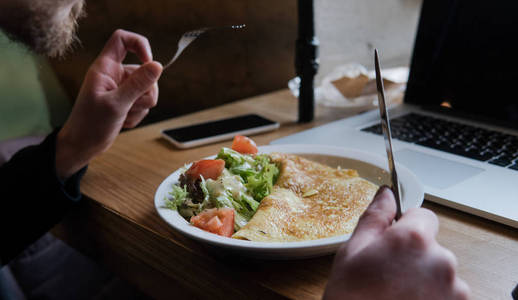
(47, 27)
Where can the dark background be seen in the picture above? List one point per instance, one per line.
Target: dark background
(219, 67)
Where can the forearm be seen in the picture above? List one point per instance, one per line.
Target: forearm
(69, 160)
(33, 198)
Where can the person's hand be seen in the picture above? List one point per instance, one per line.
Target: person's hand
(394, 261)
(113, 96)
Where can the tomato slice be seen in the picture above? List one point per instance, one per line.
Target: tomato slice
(208, 168)
(244, 145)
(216, 220)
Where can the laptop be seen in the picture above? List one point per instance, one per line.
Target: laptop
(457, 128)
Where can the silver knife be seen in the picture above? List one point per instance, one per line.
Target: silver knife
(385, 125)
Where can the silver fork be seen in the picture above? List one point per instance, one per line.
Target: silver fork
(190, 36)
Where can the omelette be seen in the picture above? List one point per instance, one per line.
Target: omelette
(309, 201)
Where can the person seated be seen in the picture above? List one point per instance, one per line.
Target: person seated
(381, 260)
(113, 96)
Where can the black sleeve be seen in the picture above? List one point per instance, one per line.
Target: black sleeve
(32, 197)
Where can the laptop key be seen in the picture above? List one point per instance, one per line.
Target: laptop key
(488, 153)
(456, 149)
(478, 155)
(431, 144)
(506, 156)
(500, 162)
(514, 167)
(408, 138)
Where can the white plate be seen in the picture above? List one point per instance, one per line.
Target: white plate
(369, 166)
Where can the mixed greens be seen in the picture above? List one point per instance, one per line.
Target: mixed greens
(241, 185)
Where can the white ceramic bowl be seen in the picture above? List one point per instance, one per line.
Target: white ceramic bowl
(371, 167)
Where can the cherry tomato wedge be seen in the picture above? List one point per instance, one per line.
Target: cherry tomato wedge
(244, 145)
(216, 220)
(208, 168)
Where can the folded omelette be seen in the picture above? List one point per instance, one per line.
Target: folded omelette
(309, 201)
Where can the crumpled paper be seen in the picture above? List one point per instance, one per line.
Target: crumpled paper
(352, 85)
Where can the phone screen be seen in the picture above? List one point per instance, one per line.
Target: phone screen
(214, 128)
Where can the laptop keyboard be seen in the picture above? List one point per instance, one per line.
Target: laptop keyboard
(469, 141)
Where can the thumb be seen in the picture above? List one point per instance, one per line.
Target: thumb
(139, 82)
(378, 217)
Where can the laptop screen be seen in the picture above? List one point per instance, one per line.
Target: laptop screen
(465, 60)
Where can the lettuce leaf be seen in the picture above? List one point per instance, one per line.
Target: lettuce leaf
(178, 196)
(229, 191)
(235, 159)
(258, 173)
(260, 184)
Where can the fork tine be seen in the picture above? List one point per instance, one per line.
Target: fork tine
(196, 33)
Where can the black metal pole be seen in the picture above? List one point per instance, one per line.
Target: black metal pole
(306, 60)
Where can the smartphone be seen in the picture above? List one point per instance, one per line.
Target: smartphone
(218, 130)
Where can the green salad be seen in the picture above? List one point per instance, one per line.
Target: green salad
(232, 180)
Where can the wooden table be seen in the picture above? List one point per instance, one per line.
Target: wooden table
(118, 226)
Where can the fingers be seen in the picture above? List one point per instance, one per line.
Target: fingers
(141, 107)
(461, 289)
(146, 101)
(374, 221)
(149, 99)
(139, 82)
(128, 70)
(443, 266)
(134, 118)
(133, 81)
(121, 42)
(417, 226)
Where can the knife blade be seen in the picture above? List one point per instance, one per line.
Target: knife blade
(385, 125)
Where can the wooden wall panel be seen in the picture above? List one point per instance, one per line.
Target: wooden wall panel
(219, 67)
